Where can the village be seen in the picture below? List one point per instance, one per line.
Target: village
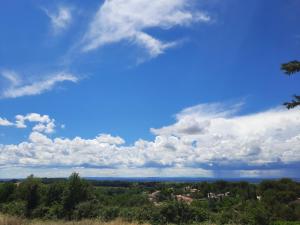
(188, 195)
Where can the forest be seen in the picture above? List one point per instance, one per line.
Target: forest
(270, 202)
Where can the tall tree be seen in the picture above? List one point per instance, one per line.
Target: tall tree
(29, 191)
(78, 190)
(291, 68)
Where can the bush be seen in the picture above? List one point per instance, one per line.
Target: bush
(40, 212)
(55, 212)
(286, 223)
(256, 214)
(181, 213)
(109, 213)
(129, 214)
(17, 208)
(89, 209)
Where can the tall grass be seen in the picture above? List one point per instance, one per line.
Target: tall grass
(9, 220)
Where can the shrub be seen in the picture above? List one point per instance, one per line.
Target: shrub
(109, 213)
(40, 212)
(17, 208)
(181, 213)
(89, 209)
(55, 212)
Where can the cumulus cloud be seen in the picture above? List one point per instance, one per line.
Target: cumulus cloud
(207, 137)
(129, 20)
(19, 88)
(60, 19)
(188, 121)
(222, 139)
(44, 123)
(107, 138)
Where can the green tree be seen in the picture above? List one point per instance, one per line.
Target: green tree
(7, 190)
(55, 193)
(77, 190)
(289, 69)
(255, 214)
(29, 192)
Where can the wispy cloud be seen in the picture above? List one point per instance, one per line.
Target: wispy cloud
(128, 20)
(19, 88)
(5, 122)
(12, 77)
(60, 18)
(206, 137)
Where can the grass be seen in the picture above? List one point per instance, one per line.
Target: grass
(9, 220)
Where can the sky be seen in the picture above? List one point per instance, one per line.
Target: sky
(138, 88)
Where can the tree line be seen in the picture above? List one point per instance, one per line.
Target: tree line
(266, 203)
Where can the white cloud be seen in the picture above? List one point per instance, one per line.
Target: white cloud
(209, 137)
(107, 138)
(12, 77)
(22, 172)
(20, 88)
(60, 19)
(44, 123)
(118, 20)
(188, 121)
(221, 139)
(5, 122)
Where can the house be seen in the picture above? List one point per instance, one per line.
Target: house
(215, 196)
(153, 197)
(191, 190)
(183, 198)
(194, 190)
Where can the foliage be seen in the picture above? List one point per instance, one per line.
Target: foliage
(289, 69)
(77, 190)
(6, 191)
(29, 191)
(78, 199)
(181, 213)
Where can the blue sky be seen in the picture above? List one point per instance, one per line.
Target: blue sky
(129, 88)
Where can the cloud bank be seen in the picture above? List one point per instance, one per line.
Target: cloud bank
(207, 137)
(130, 20)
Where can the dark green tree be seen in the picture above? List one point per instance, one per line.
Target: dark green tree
(55, 193)
(290, 68)
(77, 190)
(29, 192)
(7, 190)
